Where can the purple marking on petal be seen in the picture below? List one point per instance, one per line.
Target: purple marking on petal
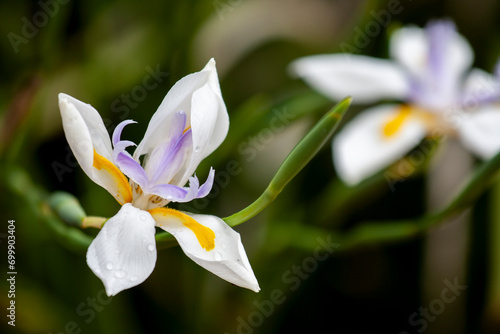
(118, 130)
(438, 34)
(160, 162)
(172, 157)
(207, 186)
(177, 124)
(185, 194)
(132, 169)
(434, 87)
(120, 147)
(471, 100)
(194, 188)
(489, 93)
(124, 160)
(169, 192)
(416, 93)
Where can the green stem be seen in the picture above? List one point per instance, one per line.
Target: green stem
(36, 200)
(477, 184)
(298, 158)
(377, 232)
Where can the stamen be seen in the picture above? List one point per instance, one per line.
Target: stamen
(156, 199)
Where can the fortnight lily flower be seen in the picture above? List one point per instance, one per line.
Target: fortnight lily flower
(430, 74)
(191, 122)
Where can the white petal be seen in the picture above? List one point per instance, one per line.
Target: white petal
(480, 132)
(361, 149)
(180, 97)
(479, 86)
(364, 78)
(216, 112)
(227, 259)
(85, 132)
(204, 126)
(92, 120)
(410, 47)
(123, 254)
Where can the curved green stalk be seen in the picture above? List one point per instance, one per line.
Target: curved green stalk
(36, 200)
(298, 158)
(376, 232)
(60, 211)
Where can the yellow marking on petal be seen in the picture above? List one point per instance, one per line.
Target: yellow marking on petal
(394, 124)
(123, 191)
(205, 235)
(186, 130)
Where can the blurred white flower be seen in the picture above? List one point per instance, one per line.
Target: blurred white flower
(430, 74)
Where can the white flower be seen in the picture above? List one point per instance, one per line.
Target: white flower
(191, 122)
(430, 74)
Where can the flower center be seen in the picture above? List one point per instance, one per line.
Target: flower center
(145, 201)
(163, 176)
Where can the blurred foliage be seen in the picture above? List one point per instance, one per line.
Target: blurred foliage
(102, 51)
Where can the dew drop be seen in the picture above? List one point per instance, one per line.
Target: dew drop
(218, 256)
(151, 247)
(119, 274)
(109, 266)
(133, 279)
(197, 149)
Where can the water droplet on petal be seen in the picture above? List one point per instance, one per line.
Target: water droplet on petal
(133, 278)
(151, 247)
(120, 274)
(197, 149)
(218, 256)
(109, 266)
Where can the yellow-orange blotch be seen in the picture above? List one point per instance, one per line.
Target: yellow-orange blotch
(123, 192)
(394, 124)
(205, 236)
